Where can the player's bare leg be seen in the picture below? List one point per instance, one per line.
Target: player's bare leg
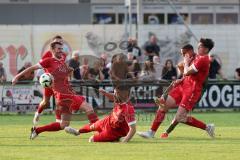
(88, 109)
(92, 117)
(43, 104)
(90, 139)
(52, 127)
(183, 117)
(159, 117)
(170, 128)
(85, 129)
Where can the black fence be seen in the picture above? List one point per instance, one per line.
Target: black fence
(218, 94)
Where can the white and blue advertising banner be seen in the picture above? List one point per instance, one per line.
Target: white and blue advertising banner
(217, 94)
(222, 95)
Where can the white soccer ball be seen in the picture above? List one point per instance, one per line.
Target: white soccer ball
(46, 80)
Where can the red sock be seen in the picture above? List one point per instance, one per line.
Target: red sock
(92, 117)
(55, 126)
(85, 129)
(191, 121)
(159, 117)
(39, 109)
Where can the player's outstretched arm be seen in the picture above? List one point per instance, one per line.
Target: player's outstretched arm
(110, 96)
(131, 132)
(26, 71)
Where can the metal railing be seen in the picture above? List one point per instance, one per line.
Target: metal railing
(218, 94)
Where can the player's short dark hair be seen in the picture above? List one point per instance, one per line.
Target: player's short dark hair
(207, 43)
(53, 44)
(57, 37)
(188, 47)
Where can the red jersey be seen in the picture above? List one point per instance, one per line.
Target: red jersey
(60, 72)
(201, 64)
(121, 117)
(47, 54)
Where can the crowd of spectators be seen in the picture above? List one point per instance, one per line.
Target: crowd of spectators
(146, 66)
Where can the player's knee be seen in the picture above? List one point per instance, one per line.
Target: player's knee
(91, 139)
(45, 103)
(181, 118)
(64, 124)
(163, 109)
(92, 127)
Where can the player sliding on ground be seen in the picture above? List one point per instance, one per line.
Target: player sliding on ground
(120, 124)
(66, 99)
(186, 92)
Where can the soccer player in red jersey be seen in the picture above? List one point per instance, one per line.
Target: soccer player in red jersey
(47, 92)
(186, 50)
(187, 92)
(66, 99)
(120, 124)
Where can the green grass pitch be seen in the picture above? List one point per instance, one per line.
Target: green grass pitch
(185, 143)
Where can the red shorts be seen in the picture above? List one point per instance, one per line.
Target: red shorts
(48, 92)
(105, 132)
(185, 97)
(67, 103)
(58, 114)
(77, 102)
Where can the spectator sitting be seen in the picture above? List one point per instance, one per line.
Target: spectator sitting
(95, 73)
(169, 72)
(75, 64)
(103, 63)
(119, 68)
(148, 72)
(130, 58)
(151, 48)
(237, 73)
(84, 69)
(215, 68)
(3, 75)
(135, 69)
(158, 67)
(26, 77)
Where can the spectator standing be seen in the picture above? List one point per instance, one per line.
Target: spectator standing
(151, 48)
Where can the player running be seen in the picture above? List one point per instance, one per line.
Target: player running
(186, 50)
(66, 99)
(47, 92)
(187, 92)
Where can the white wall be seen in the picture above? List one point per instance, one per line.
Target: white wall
(90, 39)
